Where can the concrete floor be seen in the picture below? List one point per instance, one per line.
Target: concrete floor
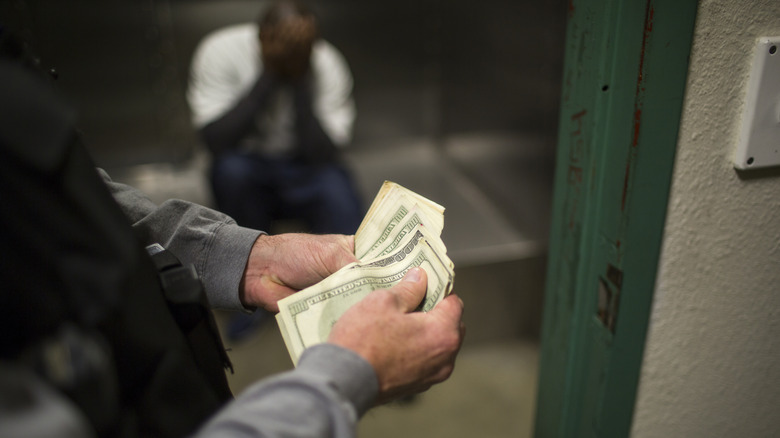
(491, 393)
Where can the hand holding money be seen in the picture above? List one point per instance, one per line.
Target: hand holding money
(280, 265)
(410, 351)
(401, 231)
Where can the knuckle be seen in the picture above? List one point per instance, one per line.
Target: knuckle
(444, 372)
(451, 340)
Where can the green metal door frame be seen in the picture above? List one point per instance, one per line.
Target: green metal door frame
(626, 63)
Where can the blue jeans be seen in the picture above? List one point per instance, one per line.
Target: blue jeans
(255, 191)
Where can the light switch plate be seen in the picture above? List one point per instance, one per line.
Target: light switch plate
(759, 141)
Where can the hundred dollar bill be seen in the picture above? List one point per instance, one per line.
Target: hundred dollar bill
(399, 226)
(306, 317)
(394, 206)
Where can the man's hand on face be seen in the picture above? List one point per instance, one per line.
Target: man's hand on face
(410, 351)
(286, 47)
(282, 264)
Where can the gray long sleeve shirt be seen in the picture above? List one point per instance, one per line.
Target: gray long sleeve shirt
(323, 397)
(331, 387)
(210, 240)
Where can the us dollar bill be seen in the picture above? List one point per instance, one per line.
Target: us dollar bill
(408, 238)
(306, 317)
(394, 206)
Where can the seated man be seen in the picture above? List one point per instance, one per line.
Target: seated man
(273, 104)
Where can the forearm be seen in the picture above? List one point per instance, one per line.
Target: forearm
(313, 142)
(226, 132)
(211, 241)
(324, 396)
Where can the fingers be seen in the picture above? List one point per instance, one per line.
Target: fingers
(449, 316)
(346, 255)
(350, 243)
(274, 290)
(410, 351)
(280, 264)
(410, 291)
(450, 310)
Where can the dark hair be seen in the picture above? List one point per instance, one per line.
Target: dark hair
(282, 10)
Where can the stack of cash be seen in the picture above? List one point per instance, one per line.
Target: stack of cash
(401, 230)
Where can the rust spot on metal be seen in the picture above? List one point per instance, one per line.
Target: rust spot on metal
(578, 117)
(615, 275)
(637, 125)
(625, 186)
(638, 100)
(609, 297)
(649, 13)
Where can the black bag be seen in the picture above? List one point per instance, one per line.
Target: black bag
(82, 302)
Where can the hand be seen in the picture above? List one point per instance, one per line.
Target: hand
(410, 351)
(282, 264)
(286, 47)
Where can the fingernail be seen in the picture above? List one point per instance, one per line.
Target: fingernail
(413, 275)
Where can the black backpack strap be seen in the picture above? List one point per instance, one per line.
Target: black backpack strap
(187, 302)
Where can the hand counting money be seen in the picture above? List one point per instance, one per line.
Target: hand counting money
(401, 230)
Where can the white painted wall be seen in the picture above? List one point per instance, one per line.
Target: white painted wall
(712, 359)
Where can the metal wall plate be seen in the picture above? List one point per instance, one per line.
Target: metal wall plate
(759, 141)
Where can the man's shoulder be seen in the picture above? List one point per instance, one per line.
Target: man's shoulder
(324, 46)
(325, 53)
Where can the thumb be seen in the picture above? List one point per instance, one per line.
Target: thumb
(410, 291)
(348, 255)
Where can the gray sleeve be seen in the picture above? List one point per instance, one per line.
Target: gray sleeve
(327, 393)
(210, 240)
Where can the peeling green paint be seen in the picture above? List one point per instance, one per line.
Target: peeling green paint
(624, 80)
